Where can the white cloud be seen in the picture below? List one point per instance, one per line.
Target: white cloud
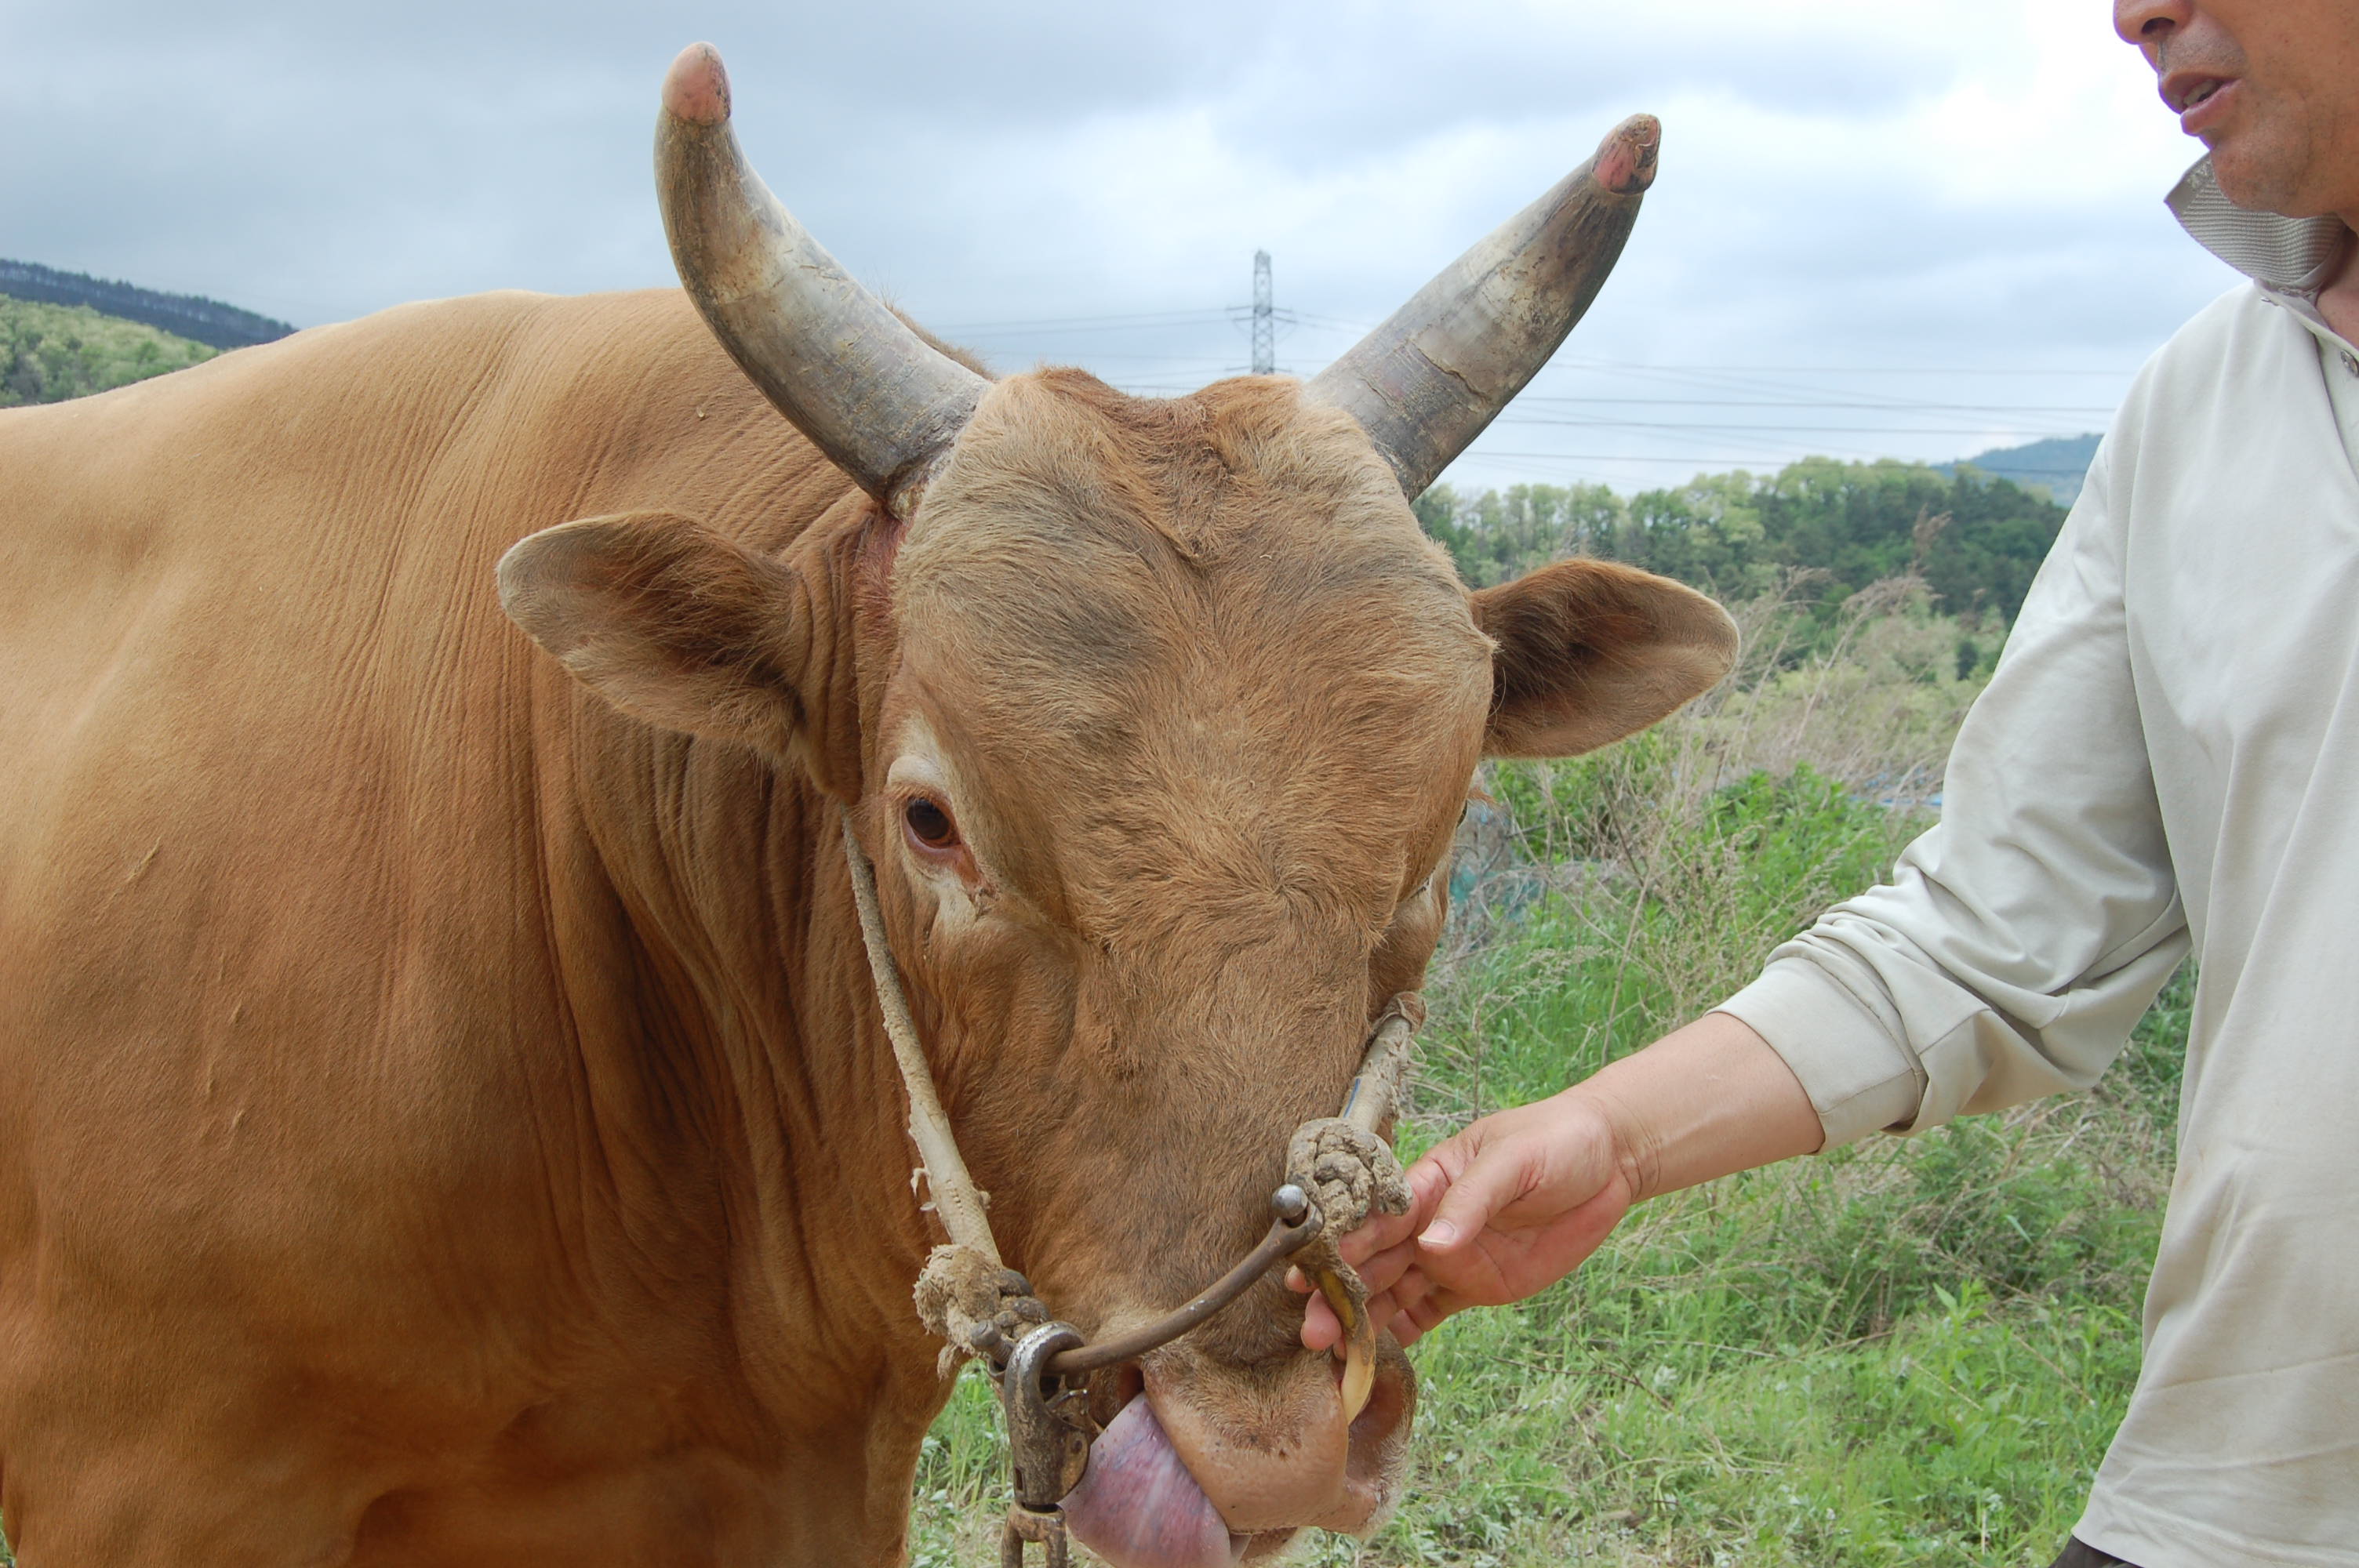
(1845, 182)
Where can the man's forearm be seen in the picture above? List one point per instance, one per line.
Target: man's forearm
(1704, 1101)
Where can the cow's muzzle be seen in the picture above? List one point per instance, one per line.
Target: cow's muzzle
(1209, 1467)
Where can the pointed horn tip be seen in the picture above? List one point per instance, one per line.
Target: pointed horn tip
(1625, 158)
(696, 88)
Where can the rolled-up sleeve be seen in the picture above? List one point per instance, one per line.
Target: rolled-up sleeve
(2021, 938)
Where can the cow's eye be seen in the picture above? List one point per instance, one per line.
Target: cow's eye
(929, 825)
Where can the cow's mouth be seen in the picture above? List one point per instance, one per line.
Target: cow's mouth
(1227, 1486)
(1137, 1507)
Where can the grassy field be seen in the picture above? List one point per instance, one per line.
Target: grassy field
(49, 352)
(1909, 1351)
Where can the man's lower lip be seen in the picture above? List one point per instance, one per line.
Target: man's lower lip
(2200, 116)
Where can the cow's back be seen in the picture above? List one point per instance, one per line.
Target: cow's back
(284, 1086)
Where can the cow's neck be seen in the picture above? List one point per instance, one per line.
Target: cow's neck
(744, 1091)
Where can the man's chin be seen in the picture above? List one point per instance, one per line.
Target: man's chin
(2255, 179)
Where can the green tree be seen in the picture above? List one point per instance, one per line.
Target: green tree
(1834, 527)
(51, 353)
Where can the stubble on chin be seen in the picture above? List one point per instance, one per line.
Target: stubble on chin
(2262, 157)
(2265, 173)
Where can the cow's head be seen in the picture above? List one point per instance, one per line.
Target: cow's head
(1174, 711)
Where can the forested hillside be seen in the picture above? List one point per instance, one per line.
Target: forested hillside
(51, 353)
(185, 315)
(1816, 533)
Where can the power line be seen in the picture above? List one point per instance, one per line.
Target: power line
(1176, 317)
(1725, 382)
(1756, 459)
(1841, 370)
(1805, 403)
(1629, 457)
(1116, 320)
(1701, 427)
(1664, 386)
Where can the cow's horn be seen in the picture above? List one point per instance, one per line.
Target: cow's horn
(1426, 382)
(881, 402)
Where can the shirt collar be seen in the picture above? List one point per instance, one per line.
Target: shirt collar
(2284, 255)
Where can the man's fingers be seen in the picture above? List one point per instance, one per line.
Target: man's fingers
(1400, 1316)
(1430, 1176)
(1490, 1182)
(1423, 1316)
(1380, 1231)
(1322, 1331)
(1428, 1179)
(1382, 1270)
(1321, 1328)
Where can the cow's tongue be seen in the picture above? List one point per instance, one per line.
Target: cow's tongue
(1138, 1508)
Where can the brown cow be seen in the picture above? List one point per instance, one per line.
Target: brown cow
(443, 1113)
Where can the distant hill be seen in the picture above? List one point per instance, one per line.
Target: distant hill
(50, 352)
(183, 315)
(2056, 465)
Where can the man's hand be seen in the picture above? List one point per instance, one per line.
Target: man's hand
(1520, 1199)
(1502, 1210)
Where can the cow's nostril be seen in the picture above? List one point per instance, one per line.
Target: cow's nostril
(1113, 1388)
(1387, 1401)
(1377, 1454)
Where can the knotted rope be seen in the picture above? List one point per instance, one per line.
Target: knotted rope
(965, 1294)
(1350, 1172)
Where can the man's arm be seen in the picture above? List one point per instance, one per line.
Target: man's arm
(1519, 1199)
(2013, 949)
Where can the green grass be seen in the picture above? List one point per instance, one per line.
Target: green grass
(1906, 1351)
(50, 352)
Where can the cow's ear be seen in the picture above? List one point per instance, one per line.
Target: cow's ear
(1589, 652)
(669, 621)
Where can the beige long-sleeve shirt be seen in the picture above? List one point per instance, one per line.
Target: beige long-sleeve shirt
(2168, 754)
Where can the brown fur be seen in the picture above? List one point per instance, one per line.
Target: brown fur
(443, 1118)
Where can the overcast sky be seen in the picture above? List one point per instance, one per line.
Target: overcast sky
(1882, 227)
